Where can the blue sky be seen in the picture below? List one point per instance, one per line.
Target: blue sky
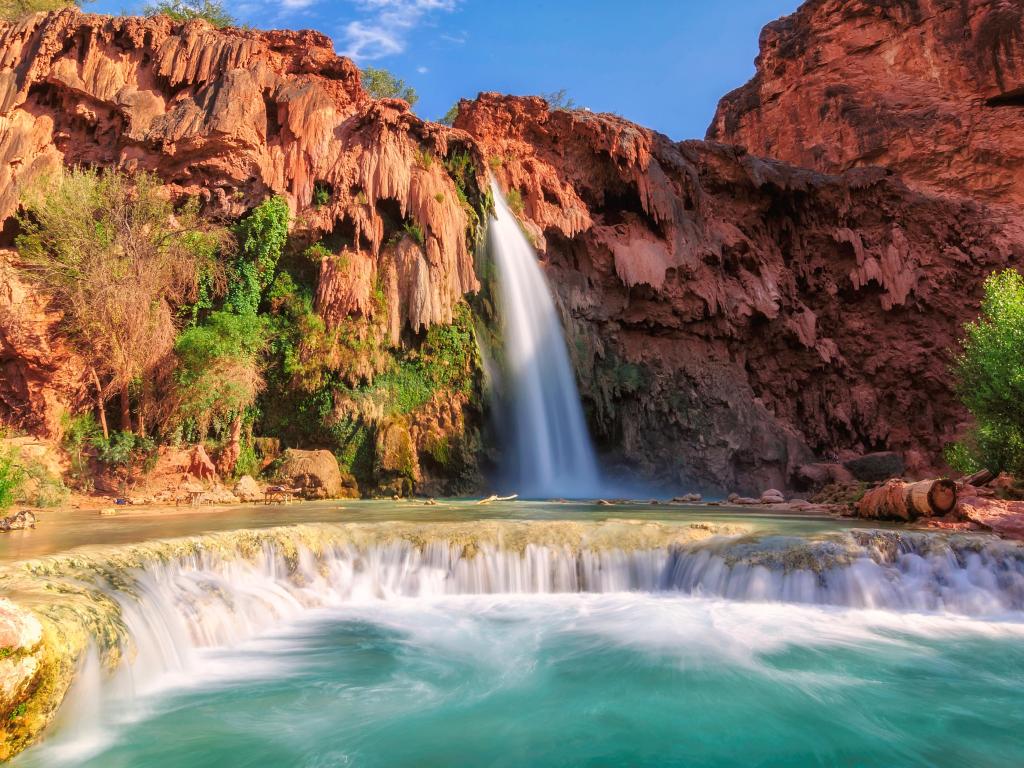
(661, 63)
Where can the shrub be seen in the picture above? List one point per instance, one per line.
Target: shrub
(415, 231)
(515, 201)
(381, 84)
(186, 10)
(220, 369)
(262, 236)
(559, 101)
(79, 432)
(450, 116)
(322, 194)
(125, 455)
(12, 10)
(11, 478)
(989, 375)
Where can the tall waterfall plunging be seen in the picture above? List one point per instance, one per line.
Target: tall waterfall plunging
(549, 452)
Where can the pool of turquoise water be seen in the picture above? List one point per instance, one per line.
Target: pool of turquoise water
(590, 680)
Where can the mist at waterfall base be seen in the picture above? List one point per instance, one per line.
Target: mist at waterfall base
(547, 451)
(397, 655)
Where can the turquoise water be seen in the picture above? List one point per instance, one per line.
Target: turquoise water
(578, 679)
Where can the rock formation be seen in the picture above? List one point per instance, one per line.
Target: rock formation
(733, 316)
(932, 89)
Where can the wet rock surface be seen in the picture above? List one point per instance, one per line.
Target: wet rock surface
(733, 318)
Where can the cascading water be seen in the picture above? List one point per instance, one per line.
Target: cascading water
(167, 615)
(549, 453)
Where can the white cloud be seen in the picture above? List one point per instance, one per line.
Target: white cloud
(422, 70)
(387, 25)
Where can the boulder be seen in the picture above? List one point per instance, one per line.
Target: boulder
(813, 477)
(688, 498)
(314, 474)
(772, 496)
(200, 465)
(396, 464)
(247, 489)
(876, 467)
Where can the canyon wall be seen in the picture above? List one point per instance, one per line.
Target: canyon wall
(931, 89)
(730, 317)
(734, 317)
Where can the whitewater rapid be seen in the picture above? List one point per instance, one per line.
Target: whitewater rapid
(137, 620)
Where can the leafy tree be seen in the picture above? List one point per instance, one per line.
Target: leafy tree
(186, 10)
(11, 478)
(116, 257)
(12, 10)
(990, 379)
(381, 84)
(450, 116)
(262, 237)
(220, 369)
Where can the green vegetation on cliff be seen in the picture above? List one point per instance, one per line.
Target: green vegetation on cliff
(12, 10)
(186, 10)
(381, 84)
(116, 257)
(990, 380)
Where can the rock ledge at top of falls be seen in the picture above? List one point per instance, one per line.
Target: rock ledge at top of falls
(931, 89)
(733, 316)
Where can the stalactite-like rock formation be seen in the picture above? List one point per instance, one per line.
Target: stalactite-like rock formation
(234, 116)
(732, 316)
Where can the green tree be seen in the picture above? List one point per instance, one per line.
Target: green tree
(219, 374)
(450, 116)
(186, 10)
(116, 257)
(381, 84)
(11, 477)
(989, 376)
(12, 10)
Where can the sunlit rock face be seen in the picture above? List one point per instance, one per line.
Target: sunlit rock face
(231, 116)
(732, 316)
(932, 89)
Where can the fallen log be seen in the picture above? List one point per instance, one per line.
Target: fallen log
(491, 499)
(979, 479)
(897, 500)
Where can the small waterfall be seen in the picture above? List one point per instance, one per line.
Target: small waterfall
(149, 612)
(549, 453)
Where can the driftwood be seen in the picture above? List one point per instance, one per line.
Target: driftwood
(897, 500)
(490, 499)
(979, 479)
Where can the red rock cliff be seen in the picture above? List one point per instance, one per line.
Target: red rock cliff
(932, 89)
(733, 316)
(232, 116)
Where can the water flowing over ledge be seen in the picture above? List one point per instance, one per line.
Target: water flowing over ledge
(134, 614)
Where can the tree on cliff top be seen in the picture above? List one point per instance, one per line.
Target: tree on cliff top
(381, 84)
(186, 10)
(116, 257)
(990, 379)
(12, 10)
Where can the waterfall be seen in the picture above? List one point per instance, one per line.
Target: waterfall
(548, 451)
(128, 621)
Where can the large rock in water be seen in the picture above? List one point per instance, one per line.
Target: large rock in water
(933, 89)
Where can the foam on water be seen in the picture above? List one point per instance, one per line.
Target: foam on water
(182, 607)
